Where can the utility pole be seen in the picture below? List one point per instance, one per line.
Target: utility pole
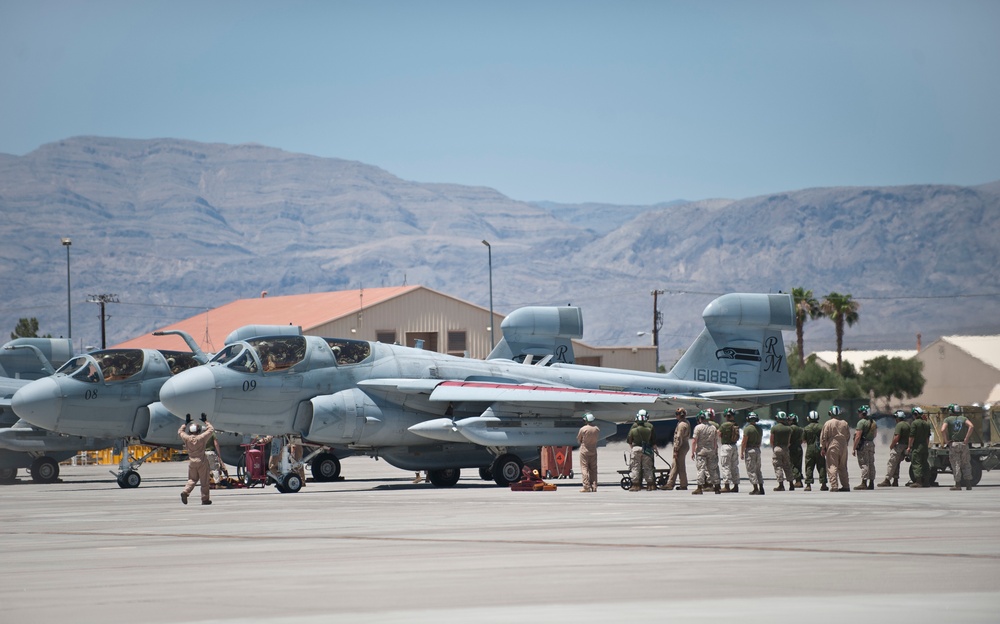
(103, 299)
(657, 324)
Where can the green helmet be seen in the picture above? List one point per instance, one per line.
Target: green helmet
(955, 409)
(729, 412)
(753, 417)
(835, 411)
(917, 412)
(781, 416)
(864, 409)
(794, 418)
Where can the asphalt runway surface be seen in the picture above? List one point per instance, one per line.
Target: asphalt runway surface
(377, 548)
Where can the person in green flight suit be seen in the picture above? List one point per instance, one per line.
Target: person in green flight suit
(918, 447)
(641, 439)
(814, 459)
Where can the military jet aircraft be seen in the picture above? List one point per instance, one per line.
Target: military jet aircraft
(421, 410)
(22, 445)
(112, 395)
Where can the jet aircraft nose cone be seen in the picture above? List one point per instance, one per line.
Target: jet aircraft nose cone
(39, 403)
(191, 392)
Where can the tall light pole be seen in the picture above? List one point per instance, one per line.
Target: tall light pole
(489, 251)
(66, 241)
(657, 325)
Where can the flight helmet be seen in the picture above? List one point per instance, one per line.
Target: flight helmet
(194, 428)
(588, 417)
(641, 416)
(864, 409)
(710, 414)
(899, 414)
(681, 412)
(781, 416)
(813, 416)
(835, 411)
(917, 412)
(729, 412)
(793, 418)
(753, 417)
(955, 409)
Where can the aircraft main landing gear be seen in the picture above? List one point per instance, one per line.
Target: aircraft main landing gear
(44, 470)
(506, 469)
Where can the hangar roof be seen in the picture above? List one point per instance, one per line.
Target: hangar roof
(983, 348)
(210, 328)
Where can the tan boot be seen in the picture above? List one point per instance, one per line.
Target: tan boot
(650, 487)
(634, 488)
(726, 489)
(781, 487)
(862, 486)
(698, 490)
(808, 488)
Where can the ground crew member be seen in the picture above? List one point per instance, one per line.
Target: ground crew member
(195, 438)
(897, 450)
(295, 451)
(864, 448)
(814, 459)
(918, 447)
(956, 430)
(678, 470)
(587, 438)
(750, 452)
(781, 435)
(833, 438)
(705, 453)
(641, 440)
(729, 456)
(795, 449)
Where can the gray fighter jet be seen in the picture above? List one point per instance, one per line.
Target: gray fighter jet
(22, 445)
(111, 397)
(421, 410)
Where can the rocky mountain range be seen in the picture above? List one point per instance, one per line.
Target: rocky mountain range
(174, 227)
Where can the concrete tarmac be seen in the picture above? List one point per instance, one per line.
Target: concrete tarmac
(377, 548)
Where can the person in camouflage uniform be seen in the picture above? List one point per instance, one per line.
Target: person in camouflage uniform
(705, 452)
(814, 458)
(729, 457)
(956, 430)
(781, 435)
(897, 450)
(918, 447)
(795, 449)
(750, 453)
(864, 448)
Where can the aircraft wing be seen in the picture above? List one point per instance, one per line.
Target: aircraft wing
(493, 392)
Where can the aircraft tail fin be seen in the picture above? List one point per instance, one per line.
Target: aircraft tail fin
(741, 344)
(538, 331)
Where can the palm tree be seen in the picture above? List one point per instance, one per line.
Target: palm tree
(806, 307)
(840, 309)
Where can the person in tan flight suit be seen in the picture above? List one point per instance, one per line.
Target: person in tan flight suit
(833, 439)
(587, 438)
(195, 438)
(682, 435)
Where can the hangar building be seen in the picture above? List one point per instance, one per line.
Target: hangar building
(401, 314)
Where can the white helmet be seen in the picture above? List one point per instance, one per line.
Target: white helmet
(813, 416)
(588, 417)
(194, 428)
(641, 416)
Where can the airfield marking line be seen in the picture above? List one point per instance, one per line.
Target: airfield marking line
(439, 540)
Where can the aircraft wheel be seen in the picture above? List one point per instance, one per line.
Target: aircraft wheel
(8, 475)
(626, 482)
(44, 470)
(507, 469)
(326, 467)
(291, 483)
(129, 479)
(446, 477)
(977, 471)
(485, 474)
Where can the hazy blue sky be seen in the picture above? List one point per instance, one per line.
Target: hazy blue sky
(624, 102)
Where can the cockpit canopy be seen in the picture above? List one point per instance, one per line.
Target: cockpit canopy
(120, 364)
(279, 353)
